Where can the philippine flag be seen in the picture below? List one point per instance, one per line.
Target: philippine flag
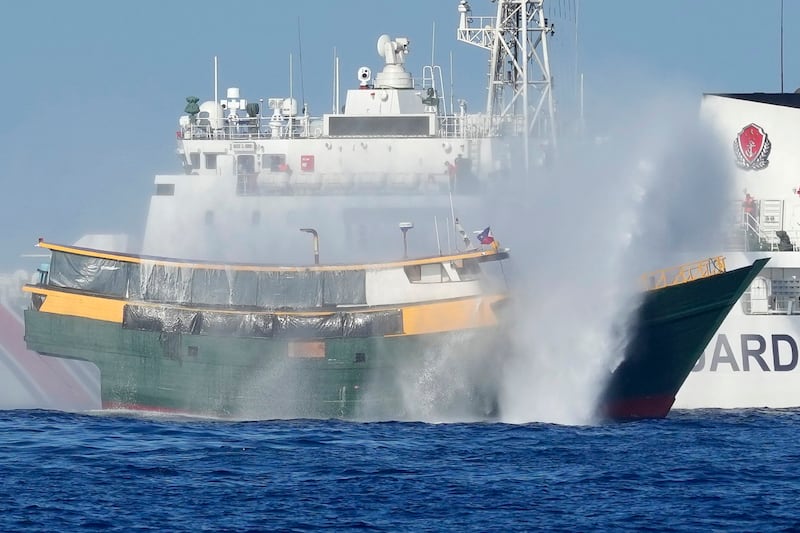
(486, 237)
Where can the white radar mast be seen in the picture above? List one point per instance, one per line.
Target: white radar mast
(520, 83)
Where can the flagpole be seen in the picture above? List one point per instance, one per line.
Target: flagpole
(436, 227)
(447, 228)
(452, 211)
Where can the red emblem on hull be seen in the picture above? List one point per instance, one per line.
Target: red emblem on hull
(752, 148)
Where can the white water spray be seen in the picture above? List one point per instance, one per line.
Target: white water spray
(653, 193)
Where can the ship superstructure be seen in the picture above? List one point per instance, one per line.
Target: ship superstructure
(394, 151)
(753, 359)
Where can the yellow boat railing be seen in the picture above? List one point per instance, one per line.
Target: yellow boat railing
(683, 273)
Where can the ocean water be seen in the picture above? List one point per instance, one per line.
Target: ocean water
(694, 471)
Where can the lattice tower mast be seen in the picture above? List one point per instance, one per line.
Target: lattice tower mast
(520, 83)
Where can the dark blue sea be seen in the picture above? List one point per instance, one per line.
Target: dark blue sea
(694, 471)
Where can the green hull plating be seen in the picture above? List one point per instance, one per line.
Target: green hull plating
(670, 332)
(383, 376)
(392, 377)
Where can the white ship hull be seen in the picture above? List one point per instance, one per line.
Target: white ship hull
(753, 361)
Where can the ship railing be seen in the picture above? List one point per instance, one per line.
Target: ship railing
(755, 238)
(473, 126)
(685, 273)
(247, 128)
(758, 231)
(479, 32)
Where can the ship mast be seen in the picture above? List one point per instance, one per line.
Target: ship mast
(520, 93)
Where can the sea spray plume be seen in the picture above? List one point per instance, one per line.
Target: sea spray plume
(567, 250)
(456, 381)
(649, 193)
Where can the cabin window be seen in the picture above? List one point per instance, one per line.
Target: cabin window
(273, 162)
(194, 160)
(246, 164)
(211, 161)
(413, 126)
(165, 189)
(468, 269)
(431, 273)
(414, 273)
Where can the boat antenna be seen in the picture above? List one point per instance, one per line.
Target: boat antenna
(433, 45)
(781, 46)
(300, 59)
(452, 109)
(291, 94)
(216, 93)
(335, 99)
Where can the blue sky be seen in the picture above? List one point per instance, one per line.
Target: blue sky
(93, 89)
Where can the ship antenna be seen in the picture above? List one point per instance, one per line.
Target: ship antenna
(300, 59)
(216, 94)
(433, 45)
(781, 46)
(452, 109)
(335, 100)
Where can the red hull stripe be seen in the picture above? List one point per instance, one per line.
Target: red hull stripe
(657, 406)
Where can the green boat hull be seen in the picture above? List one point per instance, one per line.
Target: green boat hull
(669, 333)
(451, 375)
(381, 377)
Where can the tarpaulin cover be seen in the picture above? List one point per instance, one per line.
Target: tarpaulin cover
(289, 290)
(165, 283)
(237, 324)
(88, 273)
(345, 287)
(207, 322)
(156, 318)
(265, 289)
(153, 282)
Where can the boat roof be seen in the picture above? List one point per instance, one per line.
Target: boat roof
(482, 255)
(779, 99)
